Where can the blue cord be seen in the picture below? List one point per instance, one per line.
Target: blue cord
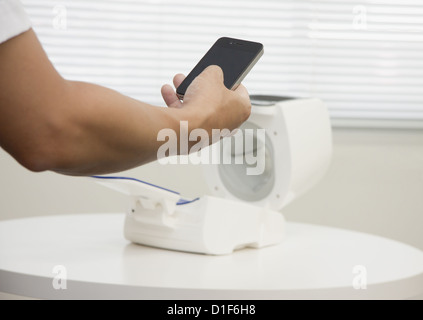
(179, 203)
(133, 179)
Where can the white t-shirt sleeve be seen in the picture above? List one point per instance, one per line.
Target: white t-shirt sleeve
(13, 19)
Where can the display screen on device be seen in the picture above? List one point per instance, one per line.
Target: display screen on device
(235, 57)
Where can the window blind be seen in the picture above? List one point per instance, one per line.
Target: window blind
(363, 58)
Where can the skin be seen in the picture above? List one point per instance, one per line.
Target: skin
(77, 128)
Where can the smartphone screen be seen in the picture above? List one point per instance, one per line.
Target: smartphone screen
(236, 58)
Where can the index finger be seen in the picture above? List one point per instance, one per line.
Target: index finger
(177, 79)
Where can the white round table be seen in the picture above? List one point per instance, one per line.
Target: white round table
(313, 262)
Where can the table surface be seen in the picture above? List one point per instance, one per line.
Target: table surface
(314, 262)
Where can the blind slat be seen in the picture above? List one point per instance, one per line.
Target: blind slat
(363, 58)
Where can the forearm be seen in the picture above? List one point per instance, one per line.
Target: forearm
(48, 123)
(108, 132)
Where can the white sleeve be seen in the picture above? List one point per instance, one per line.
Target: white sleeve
(13, 19)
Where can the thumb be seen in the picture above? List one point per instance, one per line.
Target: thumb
(214, 72)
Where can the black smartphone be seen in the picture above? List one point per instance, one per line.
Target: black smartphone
(236, 58)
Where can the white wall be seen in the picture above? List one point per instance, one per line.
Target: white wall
(375, 184)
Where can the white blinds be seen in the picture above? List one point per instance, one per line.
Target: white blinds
(363, 58)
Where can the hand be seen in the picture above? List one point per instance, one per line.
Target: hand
(208, 103)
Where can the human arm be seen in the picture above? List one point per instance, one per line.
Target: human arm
(76, 128)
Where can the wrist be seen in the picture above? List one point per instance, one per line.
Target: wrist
(197, 116)
(187, 119)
